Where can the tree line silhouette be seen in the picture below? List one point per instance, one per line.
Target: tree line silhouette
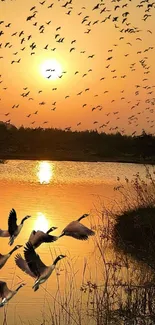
(57, 144)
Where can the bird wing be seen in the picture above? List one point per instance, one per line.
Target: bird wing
(33, 260)
(3, 289)
(12, 222)
(22, 264)
(78, 231)
(49, 238)
(41, 237)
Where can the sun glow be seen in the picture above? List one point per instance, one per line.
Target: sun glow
(41, 223)
(45, 172)
(51, 69)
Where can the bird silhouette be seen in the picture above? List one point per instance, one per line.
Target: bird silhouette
(13, 230)
(37, 267)
(6, 294)
(38, 237)
(77, 230)
(4, 258)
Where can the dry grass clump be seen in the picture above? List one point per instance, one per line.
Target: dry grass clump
(134, 234)
(134, 227)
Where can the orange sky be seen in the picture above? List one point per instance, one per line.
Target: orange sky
(131, 44)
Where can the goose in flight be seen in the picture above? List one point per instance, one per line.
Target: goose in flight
(6, 294)
(13, 229)
(4, 258)
(38, 237)
(37, 267)
(76, 230)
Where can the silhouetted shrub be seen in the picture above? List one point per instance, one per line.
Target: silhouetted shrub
(134, 233)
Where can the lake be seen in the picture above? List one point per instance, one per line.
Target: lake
(53, 193)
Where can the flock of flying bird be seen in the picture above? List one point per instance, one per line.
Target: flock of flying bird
(117, 13)
(32, 264)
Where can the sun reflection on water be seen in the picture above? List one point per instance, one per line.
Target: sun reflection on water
(41, 222)
(45, 173)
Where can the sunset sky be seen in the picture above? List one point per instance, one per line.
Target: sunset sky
(105, 54)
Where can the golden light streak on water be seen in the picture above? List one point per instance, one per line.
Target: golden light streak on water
(45, 173)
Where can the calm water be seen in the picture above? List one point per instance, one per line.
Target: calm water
(53, 193)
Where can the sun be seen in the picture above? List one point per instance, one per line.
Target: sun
(51, 69)
(41, 222)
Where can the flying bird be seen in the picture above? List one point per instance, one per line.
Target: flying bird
(91, 56)
(32, 8)
(72, 49)
(13, 230)
(51, 5)
(37, 267)
(4, 258)
(38, 237)
(77, 230)
(96, 7)
(6, 294)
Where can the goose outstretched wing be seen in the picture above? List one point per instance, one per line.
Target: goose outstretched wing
(22, 264)
(39, 237)
(12, 222)
(33, 260)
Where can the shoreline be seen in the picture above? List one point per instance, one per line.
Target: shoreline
(128, 160)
